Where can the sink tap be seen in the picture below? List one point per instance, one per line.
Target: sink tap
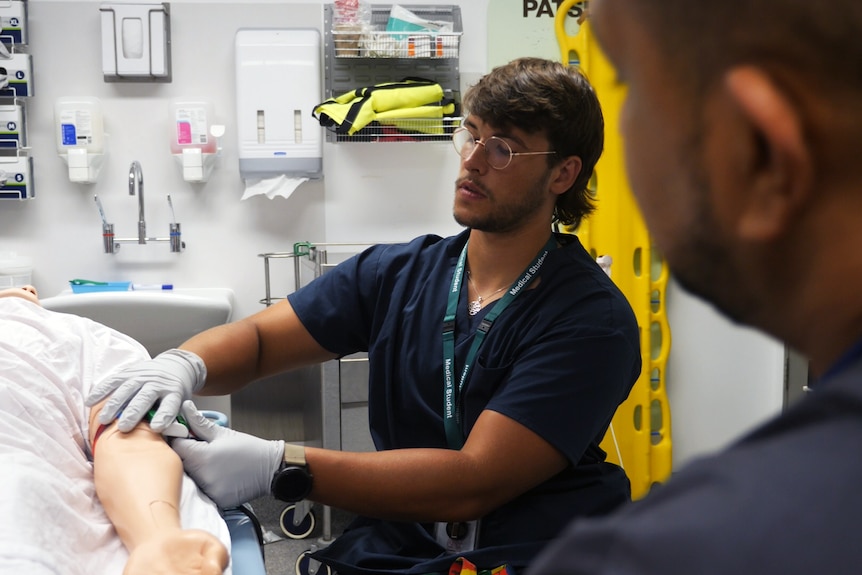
(136, 185)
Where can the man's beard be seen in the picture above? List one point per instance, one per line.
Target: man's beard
(505, 218)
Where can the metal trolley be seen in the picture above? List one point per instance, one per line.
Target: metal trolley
(343, 387)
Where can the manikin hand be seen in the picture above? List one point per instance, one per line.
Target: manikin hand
(179, 552)
(169, 378)
(231, 467)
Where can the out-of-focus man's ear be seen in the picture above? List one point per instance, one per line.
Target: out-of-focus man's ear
(779, 174)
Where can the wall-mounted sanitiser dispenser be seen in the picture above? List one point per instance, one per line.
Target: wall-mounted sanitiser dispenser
(195, 137)
(80, 136)
(278, 84)
(136, 42)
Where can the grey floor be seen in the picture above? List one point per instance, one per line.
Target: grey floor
(280, 551)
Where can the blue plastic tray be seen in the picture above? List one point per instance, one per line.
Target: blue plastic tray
(108, 286)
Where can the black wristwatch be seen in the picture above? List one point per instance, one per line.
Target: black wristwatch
(292, 482)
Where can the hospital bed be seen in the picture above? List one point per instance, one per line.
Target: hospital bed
(246, 540)
(48, 363)
(246, 533)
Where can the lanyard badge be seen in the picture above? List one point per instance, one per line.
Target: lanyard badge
(461, 536)
(457, 536)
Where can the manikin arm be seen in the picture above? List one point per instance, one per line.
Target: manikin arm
(138, 480)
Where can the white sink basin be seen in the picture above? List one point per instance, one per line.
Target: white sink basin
(159, 320)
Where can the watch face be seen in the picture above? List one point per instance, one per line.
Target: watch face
(292, 483)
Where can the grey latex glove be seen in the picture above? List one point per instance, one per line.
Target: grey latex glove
(169, 378)
(231, 467)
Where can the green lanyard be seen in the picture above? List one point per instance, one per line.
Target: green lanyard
(451, 411)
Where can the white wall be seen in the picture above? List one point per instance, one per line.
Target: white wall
(370, 192)
(60, 229)
(722, 378)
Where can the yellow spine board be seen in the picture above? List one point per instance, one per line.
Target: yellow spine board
(639, 438)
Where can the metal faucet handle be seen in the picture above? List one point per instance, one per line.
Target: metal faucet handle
(110, 246)
(176, 233)
(177, 243)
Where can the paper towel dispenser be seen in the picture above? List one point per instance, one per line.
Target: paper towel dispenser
(278, 83)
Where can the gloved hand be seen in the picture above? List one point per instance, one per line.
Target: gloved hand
(231, 467)
(168, 378)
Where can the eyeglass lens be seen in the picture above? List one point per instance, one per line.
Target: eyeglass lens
(498, 154)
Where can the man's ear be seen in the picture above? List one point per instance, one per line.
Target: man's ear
(566, 173)
(779, 177)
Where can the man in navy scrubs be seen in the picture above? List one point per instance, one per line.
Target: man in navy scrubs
(497, 357)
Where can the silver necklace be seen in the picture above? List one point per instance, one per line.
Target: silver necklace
(474, 306)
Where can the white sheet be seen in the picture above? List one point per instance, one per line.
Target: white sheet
(50, 519)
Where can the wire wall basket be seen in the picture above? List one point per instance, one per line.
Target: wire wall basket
(405, 130)
(351, 43)
(365, 54)
(354, 40)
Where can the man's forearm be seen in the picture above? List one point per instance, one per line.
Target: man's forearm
(266, 343)
(500, 460)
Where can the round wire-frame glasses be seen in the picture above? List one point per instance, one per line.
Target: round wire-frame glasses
(498, 152)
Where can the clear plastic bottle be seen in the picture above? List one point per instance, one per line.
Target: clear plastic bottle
(78, 124)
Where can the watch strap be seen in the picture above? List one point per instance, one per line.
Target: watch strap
(294, 454)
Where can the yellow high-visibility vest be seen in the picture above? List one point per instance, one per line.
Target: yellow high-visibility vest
(408, 98)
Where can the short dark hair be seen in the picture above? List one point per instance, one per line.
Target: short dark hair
(538, 95)
(812, 45)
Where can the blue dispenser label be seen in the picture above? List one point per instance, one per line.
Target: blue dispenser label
(68, 134)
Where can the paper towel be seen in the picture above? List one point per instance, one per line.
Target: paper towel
(279, 186)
